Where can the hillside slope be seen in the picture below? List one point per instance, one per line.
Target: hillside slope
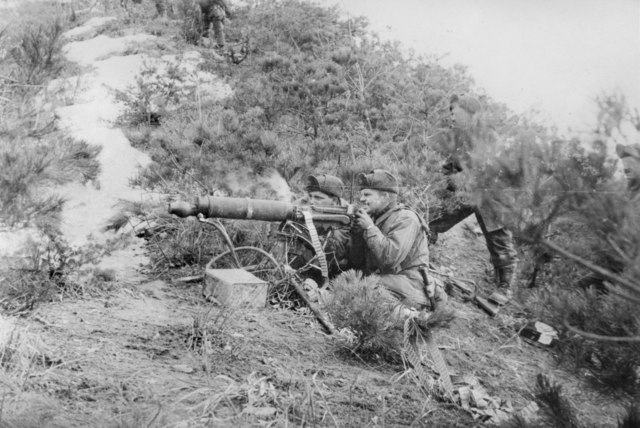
(145, 350)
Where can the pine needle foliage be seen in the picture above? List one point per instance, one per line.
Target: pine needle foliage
(38, 54)
(631, 418)
(360, 304)
(560, 410)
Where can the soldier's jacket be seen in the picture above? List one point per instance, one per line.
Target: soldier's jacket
(395, 245)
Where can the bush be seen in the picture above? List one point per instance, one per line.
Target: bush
(562, 199)
(328, 97)
(191, 25)
(363, 307)
(28, 166)
(38, 54)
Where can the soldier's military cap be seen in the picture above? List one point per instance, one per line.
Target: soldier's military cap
(378, 179)
(325, 183)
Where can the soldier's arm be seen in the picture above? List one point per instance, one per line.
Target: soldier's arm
(391, 248)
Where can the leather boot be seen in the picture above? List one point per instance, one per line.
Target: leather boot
(505, 277)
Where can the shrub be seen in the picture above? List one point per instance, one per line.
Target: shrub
(28, 166)
(328, 97)
(561, 198)
(38, 54)
(191, 24)
(360, 305)
(157, 86)
(559, 409)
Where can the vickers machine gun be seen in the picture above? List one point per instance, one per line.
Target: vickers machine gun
(299, 222)
(310, 217)
(258, 209)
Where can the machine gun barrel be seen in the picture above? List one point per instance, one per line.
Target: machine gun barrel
(236, 208)
(258, 209)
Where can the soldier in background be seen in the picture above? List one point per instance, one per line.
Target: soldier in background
(390, 240)
(630, 157)
(464, 128)
(214, 13)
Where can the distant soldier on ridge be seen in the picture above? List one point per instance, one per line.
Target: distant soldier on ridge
(214, 13)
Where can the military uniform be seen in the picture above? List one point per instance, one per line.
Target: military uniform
(213, 14)
(396, 249)
(489, 211)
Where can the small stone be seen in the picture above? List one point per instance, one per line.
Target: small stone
(261, 412)
(183, 368)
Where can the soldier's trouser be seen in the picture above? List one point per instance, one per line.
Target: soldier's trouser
(409, 289)
(213, 15)
(218, 31)
(499, 240)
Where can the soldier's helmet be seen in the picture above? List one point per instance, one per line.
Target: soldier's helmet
(378, 179)
(325, 183)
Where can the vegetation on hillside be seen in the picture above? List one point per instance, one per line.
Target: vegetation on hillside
(320, 93)
(35, 157)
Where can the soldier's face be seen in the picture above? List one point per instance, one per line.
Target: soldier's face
(321, 199)
(459, 117)
(373, 201)
(631, 171)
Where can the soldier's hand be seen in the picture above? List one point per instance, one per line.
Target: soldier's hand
(363, 220)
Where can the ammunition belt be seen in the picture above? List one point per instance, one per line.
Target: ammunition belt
(315, 240)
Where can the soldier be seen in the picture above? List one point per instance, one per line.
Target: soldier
(390, 240)
(213, 14)
(630, 156)
(324, 190)
(321, 190)
(464, 127)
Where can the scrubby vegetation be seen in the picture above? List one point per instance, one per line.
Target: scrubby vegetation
(35, 158)
(320, 93)
(565, 204)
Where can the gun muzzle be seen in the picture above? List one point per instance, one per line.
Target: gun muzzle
(183, 209)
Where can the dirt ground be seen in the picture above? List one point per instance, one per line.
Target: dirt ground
(153, 353)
